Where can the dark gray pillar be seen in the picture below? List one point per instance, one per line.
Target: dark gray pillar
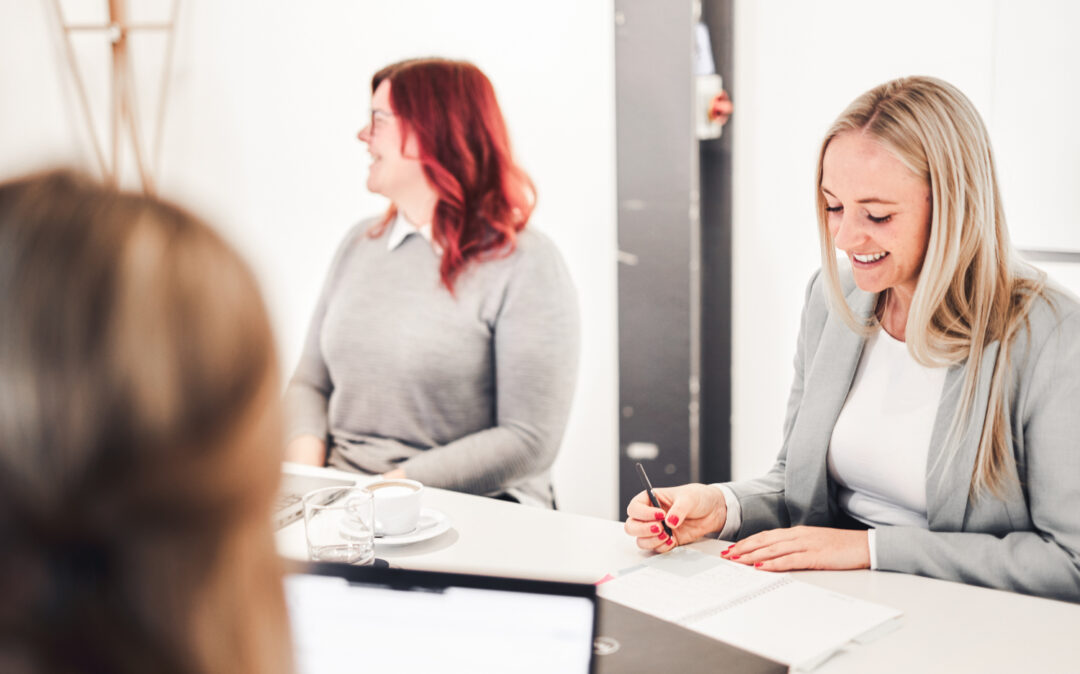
(716, 227)
(658, 300)
(675, 248)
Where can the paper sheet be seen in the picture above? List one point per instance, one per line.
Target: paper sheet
(767, 613)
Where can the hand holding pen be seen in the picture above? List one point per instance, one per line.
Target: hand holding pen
(661, 518)
(652, 499)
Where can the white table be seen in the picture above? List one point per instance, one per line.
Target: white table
(946, 627)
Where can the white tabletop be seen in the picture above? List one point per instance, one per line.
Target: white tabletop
(946, 627)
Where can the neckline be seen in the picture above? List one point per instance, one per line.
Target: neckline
(890, 338)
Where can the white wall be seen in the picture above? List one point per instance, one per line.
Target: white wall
(267, 97)
(260, 137)
(798, 65)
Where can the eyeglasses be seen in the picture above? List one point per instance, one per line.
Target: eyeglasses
(379, 119)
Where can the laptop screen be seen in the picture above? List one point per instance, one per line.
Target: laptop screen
(348, 619)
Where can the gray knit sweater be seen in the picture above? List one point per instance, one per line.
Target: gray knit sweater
(469, 391)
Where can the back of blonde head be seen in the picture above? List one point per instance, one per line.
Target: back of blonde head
(972, 290)
(139, 440)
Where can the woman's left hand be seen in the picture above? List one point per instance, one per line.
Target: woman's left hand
(803, 548)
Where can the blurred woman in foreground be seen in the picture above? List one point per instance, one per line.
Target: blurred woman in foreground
(138, 411)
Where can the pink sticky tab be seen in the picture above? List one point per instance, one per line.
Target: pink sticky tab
(605, 579)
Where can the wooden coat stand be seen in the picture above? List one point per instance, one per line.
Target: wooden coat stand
(124, 101)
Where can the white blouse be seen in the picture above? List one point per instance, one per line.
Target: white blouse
(881, 439)
(880, 442)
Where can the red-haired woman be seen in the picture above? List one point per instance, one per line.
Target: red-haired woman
(444, 345)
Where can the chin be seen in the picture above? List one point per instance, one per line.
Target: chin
(867, 284)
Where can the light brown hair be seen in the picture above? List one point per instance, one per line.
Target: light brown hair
(973, 289)
(139, 440)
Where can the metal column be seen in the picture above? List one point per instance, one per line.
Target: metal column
(664, 305)
(656, 175)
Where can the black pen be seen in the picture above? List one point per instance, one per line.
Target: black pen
(652, 497)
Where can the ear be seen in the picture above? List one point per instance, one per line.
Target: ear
(410, 145)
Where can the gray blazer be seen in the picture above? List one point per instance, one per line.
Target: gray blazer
(1027, 542)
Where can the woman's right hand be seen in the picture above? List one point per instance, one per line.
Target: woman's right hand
(690, 511)
(306, 449)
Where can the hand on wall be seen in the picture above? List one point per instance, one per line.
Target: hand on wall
(720, 108)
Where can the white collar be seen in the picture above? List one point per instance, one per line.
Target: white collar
(401, 228)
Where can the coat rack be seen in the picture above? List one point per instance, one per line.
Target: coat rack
(124, 100)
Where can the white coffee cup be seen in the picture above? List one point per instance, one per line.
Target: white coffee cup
(397, 505)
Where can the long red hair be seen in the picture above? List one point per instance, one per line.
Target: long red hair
(485, 198)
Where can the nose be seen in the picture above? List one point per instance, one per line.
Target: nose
(847, 232)
(365, 133)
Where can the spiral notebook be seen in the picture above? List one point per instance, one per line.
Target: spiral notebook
(766, 613)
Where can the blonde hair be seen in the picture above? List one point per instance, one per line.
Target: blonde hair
(972, 290)
(139, 440)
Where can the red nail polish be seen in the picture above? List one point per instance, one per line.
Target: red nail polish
(724, 553)
(655, 529)
(735, 556)
(758, 564)
(673, 521)
(659, 516)
(662, 536)
(671, 541)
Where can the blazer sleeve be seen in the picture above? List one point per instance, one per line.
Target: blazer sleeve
(761, 500)
(1044, 560)
(535, 346)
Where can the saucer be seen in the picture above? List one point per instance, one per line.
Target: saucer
(431, 524)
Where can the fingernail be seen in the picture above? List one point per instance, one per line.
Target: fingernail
(724, 552)
(673, 521)
(671, 541)
(735, 556)
(662, 536)
(758, 564)
(655, 529)
(729, 547)
(659, 516)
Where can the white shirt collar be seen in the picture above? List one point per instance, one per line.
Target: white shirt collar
(401, 228)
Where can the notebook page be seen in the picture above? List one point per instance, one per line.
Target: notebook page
(796, 623)
(677, 585)
(770, 614)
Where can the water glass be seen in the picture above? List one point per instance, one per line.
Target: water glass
(339, 523)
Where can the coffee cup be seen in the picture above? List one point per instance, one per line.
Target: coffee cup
(397, 505)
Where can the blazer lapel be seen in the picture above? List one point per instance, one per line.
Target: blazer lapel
(831, 370)
(949, 468)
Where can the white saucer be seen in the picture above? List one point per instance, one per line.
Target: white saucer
(431, 524)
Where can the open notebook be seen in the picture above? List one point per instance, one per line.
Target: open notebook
(766, 613)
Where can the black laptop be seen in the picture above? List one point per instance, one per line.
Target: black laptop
(369, 619)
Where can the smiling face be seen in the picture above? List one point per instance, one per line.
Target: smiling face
(395, 170)
(878, 213)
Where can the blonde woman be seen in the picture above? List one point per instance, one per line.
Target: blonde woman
(139, 440)
(933, 425)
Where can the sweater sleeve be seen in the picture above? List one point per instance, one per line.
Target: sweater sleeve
(308, 392)
(535, 349)
(1044, 561)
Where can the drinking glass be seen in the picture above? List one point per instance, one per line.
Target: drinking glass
(339, 523)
